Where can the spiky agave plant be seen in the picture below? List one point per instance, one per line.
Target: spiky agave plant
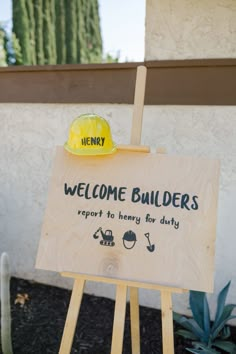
(207, 336)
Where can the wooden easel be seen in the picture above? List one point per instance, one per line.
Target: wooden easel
(122, 286)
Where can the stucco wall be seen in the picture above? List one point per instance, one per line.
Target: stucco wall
(28, 136)
(190, 29)
(29, 133)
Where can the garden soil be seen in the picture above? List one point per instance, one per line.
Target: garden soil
(39, 313)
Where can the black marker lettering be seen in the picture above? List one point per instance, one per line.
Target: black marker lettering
(135, 197)
(69, 190)
(194, 206)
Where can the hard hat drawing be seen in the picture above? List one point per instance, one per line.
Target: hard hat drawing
(90, 134)
(129, 239)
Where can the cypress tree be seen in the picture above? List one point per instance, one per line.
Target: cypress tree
(10, 51)
(47, 36)
(31, 21)
(3, 53)
(38, 13)
(53, 31)
(71, 31)
(81, 33)
(86, 12)
(57, 31)
(46, 32)
(21, 28)
(95, 39)
(16, 56)
(60, 31)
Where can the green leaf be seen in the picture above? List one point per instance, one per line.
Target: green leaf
(221, 304)
(206, 319)
(192, 326)
(225, 333)
(227, 346)
(220, 327)
(196, 300)
(204, 350)
(228, 309)
(177, 317)
(186, 334)
(196, 351)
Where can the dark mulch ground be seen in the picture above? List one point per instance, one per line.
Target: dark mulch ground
(38, 325)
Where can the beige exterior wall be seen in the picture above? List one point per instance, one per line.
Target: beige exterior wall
(190, 29)
(29, 133)
(28, 138)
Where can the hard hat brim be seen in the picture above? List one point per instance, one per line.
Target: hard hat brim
(91, 152)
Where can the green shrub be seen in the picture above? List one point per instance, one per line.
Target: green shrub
(207, 336)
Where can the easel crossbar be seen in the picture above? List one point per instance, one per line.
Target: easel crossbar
(128, 283)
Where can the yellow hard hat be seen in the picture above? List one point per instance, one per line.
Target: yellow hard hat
(90, 135)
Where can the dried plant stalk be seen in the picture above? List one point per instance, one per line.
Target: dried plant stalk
(5, 305)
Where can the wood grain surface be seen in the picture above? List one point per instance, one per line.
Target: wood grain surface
(168, 203)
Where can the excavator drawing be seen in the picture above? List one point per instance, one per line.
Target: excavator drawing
(107, 237)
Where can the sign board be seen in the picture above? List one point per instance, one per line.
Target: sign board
(132, 216)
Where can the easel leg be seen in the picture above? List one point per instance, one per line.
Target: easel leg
(134, 320)
(167, 322)
(72, 316)
(119, 320)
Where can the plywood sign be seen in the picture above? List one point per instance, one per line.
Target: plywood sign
(136, 216)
